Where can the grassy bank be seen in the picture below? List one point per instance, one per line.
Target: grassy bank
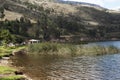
(12, 78)
(70, 50)
(8, 50)
(6, 72)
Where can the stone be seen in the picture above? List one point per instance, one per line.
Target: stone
(18, 73)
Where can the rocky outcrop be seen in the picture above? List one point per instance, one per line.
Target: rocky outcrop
(18, 73)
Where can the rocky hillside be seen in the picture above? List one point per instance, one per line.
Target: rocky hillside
(72, 18)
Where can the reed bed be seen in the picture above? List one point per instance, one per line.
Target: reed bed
(70, 50)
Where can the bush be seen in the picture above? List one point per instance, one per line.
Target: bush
(43, 47)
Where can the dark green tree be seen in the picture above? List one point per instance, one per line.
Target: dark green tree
(2, 15)
(5, 36)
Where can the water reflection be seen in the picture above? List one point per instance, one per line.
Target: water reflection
(107, 43)
(34, 65)
(38, 67)
(80, 68)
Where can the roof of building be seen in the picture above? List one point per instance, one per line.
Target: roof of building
(33, 40)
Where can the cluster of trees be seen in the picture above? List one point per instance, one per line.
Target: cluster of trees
(47, 29)
(18, 30)
(12, 31)
(51, 26)
(5, 36)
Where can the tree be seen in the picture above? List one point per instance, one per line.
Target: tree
(2, 15)
(5, 36)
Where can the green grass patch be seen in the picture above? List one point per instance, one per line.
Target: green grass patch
(9, 50)
(15, 77)
(6, 70)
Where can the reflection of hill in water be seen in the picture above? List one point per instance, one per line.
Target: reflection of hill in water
(77, 68)
(108, 43)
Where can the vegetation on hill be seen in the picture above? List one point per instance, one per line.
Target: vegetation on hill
(54, 20)
(2, 12)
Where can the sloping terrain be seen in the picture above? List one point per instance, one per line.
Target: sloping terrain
(11, 15)
(71, 18)
(85, 13)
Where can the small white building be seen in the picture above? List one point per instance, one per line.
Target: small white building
(32, 41)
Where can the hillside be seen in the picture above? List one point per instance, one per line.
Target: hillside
(55, 18)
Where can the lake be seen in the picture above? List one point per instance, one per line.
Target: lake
(105, 67)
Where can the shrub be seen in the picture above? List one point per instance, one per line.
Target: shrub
(70, 50)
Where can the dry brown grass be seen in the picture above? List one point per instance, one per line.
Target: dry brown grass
(12, 15)
(9, 15)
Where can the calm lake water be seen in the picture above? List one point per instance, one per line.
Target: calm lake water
(106, 67)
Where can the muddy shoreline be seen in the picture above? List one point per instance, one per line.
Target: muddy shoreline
(7, 62)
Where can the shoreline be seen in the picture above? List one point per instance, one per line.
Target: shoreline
(6, 62)
(24, 75)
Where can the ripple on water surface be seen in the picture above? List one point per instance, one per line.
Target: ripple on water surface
(105, 67)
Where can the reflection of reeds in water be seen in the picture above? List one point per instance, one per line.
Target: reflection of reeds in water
(70, 50)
